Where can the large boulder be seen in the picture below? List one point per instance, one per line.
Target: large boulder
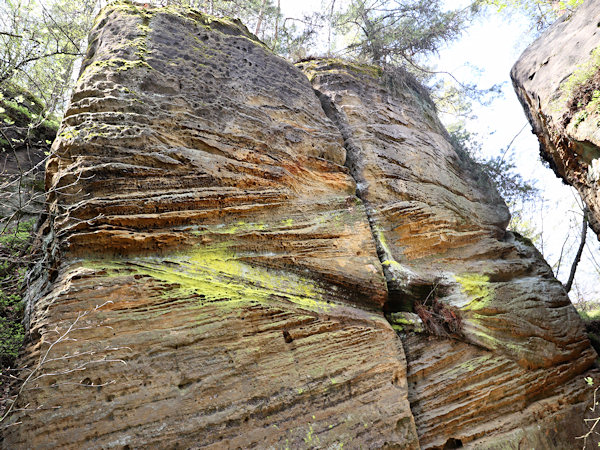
(557, 80)
(236, 260)
(212, 277)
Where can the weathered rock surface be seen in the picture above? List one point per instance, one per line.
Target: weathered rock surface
(440, 232)
(209, 257)
(557, 80)
(213, 280)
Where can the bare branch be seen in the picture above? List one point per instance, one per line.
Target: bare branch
(584, 226)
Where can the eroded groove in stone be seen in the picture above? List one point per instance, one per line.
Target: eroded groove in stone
(199, 198)
(441, 233)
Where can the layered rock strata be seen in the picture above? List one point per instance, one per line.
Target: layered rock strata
(440, 230)
(208, 259)
(557, 80)
(213, 279)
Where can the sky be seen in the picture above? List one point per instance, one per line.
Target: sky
(493, 44)
(484, 55)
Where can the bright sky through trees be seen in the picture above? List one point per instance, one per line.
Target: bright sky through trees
(485, 54)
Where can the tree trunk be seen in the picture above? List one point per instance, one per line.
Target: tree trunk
(260, 17)
(276, 37)
(579, 250)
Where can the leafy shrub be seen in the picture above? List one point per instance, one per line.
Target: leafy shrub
(14, 258)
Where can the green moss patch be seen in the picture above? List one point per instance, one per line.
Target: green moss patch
(580, 92)
(582, 74)
(218, 273)
(477, 287)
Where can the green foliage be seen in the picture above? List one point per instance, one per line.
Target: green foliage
(24, 121)
(40, 42)
(16, 240)
(580, 94)
(399, 31)
(520, 224)
(14, 246)
(541, 13)
(12, 333)
(501, 169)
(510, 184)
(582, 73)
(516, 191)
(591, 314)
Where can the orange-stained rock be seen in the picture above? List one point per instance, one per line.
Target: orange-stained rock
(557, 79)
(212, 271)
(441, 234)
(213, 280)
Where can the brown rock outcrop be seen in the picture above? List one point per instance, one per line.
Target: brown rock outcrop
(557, 80)
(209, 255)
(214, 280)
(441, 234)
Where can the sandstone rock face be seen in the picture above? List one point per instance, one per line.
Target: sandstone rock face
(440, 232)
(210, 256)
(557, 80)
(214, 280)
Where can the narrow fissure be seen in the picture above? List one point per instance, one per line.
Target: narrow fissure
(398, 302)
(402, 294)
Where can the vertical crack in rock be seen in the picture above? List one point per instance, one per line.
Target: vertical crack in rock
(219, 283)
(397, 300)
(214, 273)
(403, 290)
(440, 231)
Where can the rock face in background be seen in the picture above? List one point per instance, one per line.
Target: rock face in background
(25, 138)
(557, 80)
(213, 279)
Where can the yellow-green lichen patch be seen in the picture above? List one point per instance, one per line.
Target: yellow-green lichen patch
(287, 222)
(119, 64)
(69, 132)
(126, 7)
(477, 287)
(383, 247)
(336, 65)
(218, 273)
(337, 218)
(121, 51)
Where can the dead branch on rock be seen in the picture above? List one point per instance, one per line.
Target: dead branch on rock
(438, 318)
(35, 373)
(584, 226)
(594, 421)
